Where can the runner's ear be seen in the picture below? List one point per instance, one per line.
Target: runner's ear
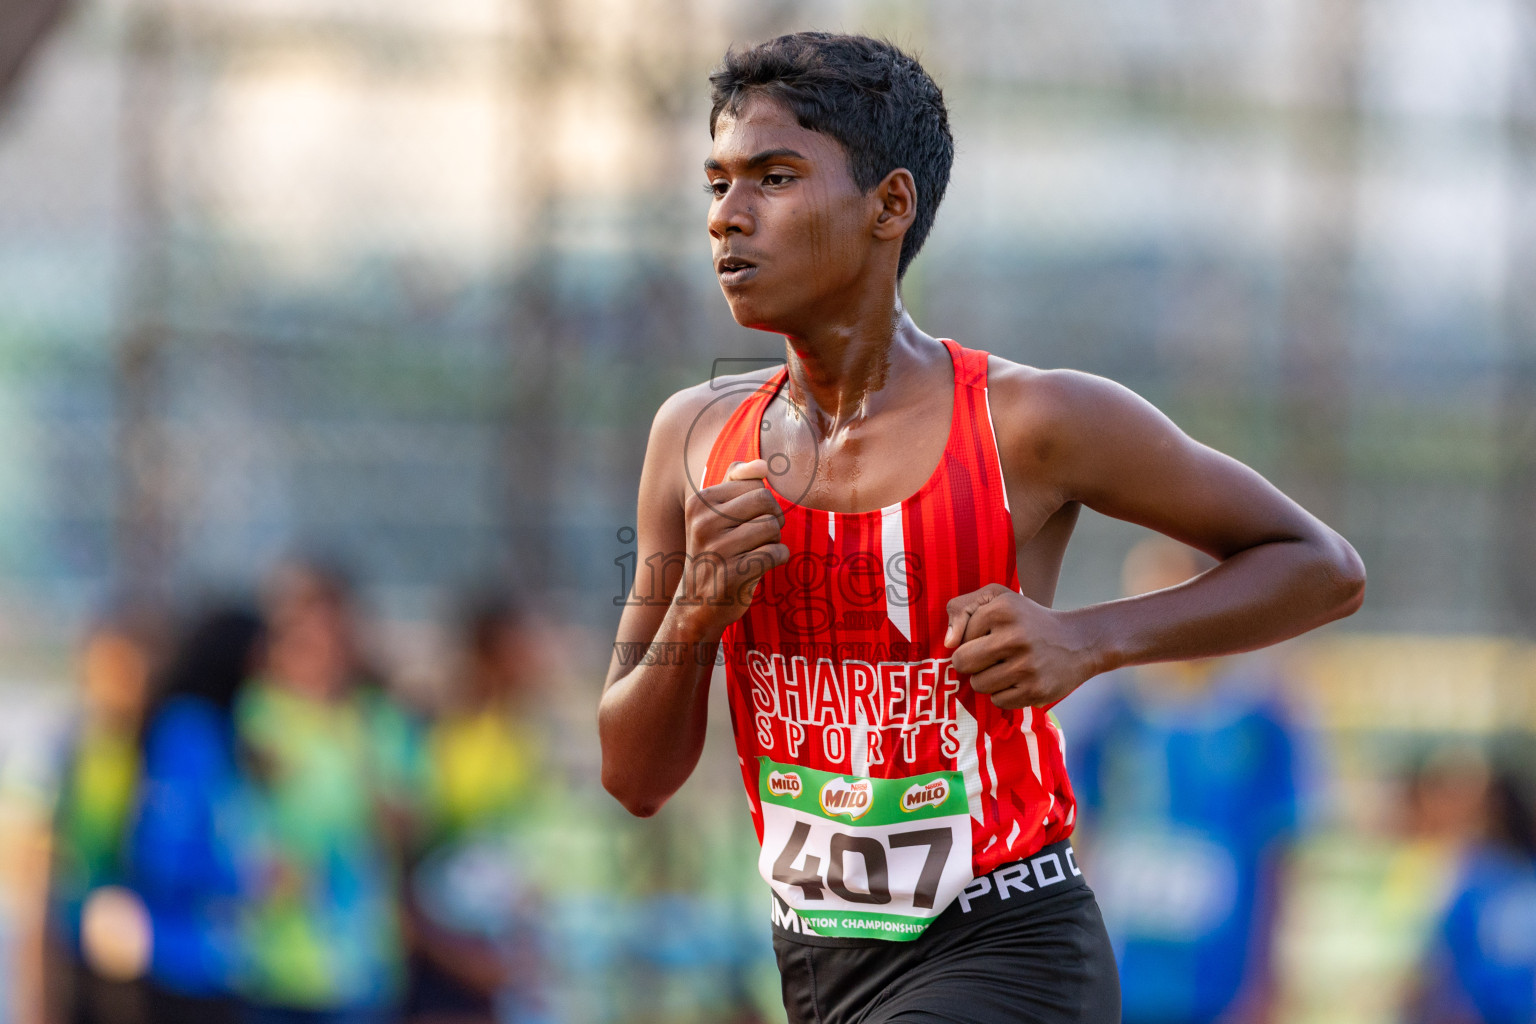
(897, 194)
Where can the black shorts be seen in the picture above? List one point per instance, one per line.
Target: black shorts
(1041, 961)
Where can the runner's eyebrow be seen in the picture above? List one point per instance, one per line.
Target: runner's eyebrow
(757, 159)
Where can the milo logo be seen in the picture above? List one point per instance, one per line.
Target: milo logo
(854, 799)
(784, 783)
(929, 794)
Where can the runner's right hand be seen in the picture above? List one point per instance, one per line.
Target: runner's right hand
(733, 539)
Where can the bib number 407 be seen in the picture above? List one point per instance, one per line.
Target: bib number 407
(808, 878)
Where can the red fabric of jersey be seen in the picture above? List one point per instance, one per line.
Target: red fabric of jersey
(840, 665)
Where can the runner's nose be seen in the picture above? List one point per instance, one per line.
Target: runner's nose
(731, 214)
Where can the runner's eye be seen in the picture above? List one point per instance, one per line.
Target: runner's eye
(716, 188)
(776, 179)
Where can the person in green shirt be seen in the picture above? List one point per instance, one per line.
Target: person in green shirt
(96, 937)
(323, 924)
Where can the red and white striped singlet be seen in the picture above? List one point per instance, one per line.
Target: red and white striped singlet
(880, 782)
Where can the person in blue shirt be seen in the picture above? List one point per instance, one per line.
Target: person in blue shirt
(186, 845)
(1186, 777)
(1481, 965)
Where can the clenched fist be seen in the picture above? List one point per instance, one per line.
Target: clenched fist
(1020, 653)
(733, 539)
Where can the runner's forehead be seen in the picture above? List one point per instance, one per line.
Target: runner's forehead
(762, 130)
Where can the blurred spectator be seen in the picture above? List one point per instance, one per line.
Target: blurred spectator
(188, 842)
(1186, 782)
(1443, 808)
(395, 733)
(472, 908)
(97, 939)
(1481, 966)
(322, 924)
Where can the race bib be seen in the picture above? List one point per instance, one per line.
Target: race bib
(863, 858)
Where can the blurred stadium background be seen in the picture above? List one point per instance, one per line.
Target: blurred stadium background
(405, 282)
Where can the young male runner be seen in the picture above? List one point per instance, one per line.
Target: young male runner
(873, 535)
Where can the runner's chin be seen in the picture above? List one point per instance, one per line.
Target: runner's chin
(747, 299)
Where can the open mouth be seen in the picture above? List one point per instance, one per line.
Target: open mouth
(734, 269)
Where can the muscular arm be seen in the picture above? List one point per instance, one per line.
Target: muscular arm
(651, 719)
(1280, 571)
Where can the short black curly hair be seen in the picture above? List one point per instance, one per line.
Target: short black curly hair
(868, 95)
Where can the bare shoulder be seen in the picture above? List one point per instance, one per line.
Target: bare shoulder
(695, 415)
(709, 402)
(1042, 415)
(688, 422)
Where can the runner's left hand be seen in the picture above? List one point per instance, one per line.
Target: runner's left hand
(1020, 653)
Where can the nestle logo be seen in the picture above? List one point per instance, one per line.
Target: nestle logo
(930, 794)
(784, 783)
(851, 798)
